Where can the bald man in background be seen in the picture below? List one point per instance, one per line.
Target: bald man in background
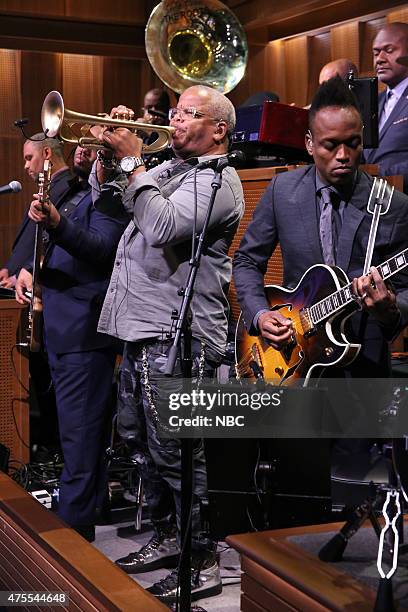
(341, 67)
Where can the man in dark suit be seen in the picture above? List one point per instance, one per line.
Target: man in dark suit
(391, 155)
(293, 213)
(36, 150)
(74, 278)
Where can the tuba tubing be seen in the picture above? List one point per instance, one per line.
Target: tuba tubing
(58, 120)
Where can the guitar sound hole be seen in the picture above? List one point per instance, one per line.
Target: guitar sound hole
(288, 349)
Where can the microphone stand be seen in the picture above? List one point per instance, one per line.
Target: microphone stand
(183, 330)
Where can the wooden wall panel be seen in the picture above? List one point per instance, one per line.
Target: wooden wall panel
(14, 397)
(121, 83)
(82, 83)
(34, 7)
(345, 42)
(400, 14)
(125, 11)
(275, 68)
(10, 87)
(265, 72)
(40, 73)
(320, 54)
(297, 69)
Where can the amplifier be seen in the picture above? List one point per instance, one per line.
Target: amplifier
(272, 127)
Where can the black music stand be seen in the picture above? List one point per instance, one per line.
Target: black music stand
(183, 330)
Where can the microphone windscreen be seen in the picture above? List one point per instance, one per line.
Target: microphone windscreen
(15, 186)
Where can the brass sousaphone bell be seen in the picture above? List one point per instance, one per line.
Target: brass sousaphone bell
(196, 42)
(75, 128)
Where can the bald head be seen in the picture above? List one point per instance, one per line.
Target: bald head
(37, 149)
(339, 67)
(389, 45)
(204, 121)
(218, 105)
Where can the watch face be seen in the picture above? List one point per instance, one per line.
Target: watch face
(127, 164)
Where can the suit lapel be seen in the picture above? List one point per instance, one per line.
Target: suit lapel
(353, 216)
(60, 186)
(305, 200)
(400, 107)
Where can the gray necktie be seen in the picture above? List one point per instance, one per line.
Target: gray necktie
(326, 226)
(389, 104)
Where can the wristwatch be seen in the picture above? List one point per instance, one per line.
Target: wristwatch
(129, 164)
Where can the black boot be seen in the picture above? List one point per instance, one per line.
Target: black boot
(161, 551)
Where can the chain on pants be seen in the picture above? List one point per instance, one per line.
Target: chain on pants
(142, 387)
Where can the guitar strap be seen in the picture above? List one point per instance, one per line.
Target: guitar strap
(378, 204)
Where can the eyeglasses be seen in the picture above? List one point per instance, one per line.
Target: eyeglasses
(187, 113)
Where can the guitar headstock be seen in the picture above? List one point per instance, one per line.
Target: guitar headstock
(44, 180)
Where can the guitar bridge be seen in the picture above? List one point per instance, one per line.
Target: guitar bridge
(306, 323)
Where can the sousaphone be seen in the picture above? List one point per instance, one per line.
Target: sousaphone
(196, 42)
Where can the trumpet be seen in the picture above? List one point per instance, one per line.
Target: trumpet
(76, 128)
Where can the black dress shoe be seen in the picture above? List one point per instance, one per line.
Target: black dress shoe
(161, 551)
(86, 531)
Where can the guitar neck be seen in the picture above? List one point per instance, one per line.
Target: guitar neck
(344, 296)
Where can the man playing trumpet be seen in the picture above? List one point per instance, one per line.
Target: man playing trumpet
(168, 205)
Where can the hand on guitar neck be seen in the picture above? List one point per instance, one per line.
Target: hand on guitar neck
(44, 212)
(376, 297)
(276, 328)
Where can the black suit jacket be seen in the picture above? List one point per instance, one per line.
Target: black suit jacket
(287, 214)
(23, 245)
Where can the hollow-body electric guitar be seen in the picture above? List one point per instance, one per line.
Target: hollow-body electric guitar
(318, 307)
(35, 314)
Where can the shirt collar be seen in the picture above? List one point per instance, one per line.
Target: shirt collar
(320, 184)
(399, 89)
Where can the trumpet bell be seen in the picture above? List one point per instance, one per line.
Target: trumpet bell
(52, 114)
(78, 128)
(196, 42)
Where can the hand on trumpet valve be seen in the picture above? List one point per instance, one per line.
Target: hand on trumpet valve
(122, 112)
(123, 142)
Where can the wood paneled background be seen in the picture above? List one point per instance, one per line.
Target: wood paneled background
(93, 52)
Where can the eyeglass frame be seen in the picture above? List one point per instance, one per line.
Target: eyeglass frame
(191, 112)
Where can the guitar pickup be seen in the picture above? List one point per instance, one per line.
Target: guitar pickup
(306, 323)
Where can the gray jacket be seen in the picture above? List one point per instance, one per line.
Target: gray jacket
(152, 260)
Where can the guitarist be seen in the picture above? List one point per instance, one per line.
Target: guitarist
(295, 212)
(36, 150)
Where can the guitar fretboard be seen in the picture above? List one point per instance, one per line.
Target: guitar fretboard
(341, 298)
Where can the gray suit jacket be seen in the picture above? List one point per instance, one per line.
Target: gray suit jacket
(392, 152)
(287, 213)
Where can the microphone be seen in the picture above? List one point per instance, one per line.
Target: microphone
(12, 187)
(21, 122)
(234, 159)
